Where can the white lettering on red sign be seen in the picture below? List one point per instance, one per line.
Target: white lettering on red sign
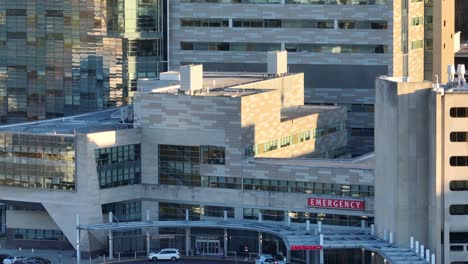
(336, 203)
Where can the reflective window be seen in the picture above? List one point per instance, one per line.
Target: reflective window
(269, 215)
(179, 165)
(38, 234)
(212, 155)
(299, 2)
(204, 22)
(126, 211)
(37, 161)
(329, 219)
(118, 166)
(173, 211)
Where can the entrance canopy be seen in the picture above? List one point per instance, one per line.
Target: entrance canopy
(334, 237)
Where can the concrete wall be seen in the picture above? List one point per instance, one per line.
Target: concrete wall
(402, 167)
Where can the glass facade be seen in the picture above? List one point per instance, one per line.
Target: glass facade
(118, 166)
(65, 57)
(299, 2)
(37, 161)
(173, 211)
(38, 234)
(126, 211)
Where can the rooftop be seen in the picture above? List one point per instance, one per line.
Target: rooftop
(100, 121)
(214, 84)
(305, 110)
(365, 162)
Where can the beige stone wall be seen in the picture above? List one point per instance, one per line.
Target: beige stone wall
(443, 37)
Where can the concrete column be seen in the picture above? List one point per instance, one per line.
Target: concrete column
(148, 244)
(385, 235)
(416, 247)
(277, 246)
(433, 259)
(335, 24)
(319, 226)
(421, 252)
(372, 229)
(225, 216)
(283, 2)
(148, 215)
(372, 258)
(111, 242)
(363, 224)
(307, 255)
(363, 256)
(283, 46)
(411, 243)
(288, 255)
(187, 215)
(428, 255)
(78, 253)
(260, 217)
(321, 250)
(187, 241)
(230, 22)
(225, 242)
(390, 237)
(308, 225)
(260, 242)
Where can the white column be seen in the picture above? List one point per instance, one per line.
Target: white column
(186, 214)
(260, 240)
(411, 243)
(363, 256)
(230, 22)
(319, 226)
(148, 243)
(225, 217)
(260, 217)
(225, 242)
(308, 225)
(390, 237)
(433, 259)
(111, 242)
(385, 235)
(321, 250)
(372, 229)
(416, 247)
(421, 252)
(148, 215)
(78, 253)
(428, 255)
(363, 224)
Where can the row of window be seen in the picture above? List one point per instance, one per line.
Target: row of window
(290, 47)
(38, 234)
(282, 23)
(458, 209)
(174, 211)
(269, 185)
(118, 166)
(459, 112)
(362, 132)
(297, 2)
(293, 139)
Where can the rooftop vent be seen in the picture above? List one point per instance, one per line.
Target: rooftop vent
(277, 62)
(191, 78)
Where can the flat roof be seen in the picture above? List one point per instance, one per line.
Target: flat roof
(304, 110)
(214, 84)
(365, 162)
(100, 121)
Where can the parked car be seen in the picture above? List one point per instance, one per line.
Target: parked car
(14, 260)
(171, 254)
(38, 260)
(268, 259)
(263, 259)
(3, 257)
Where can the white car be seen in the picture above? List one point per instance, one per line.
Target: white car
(13, 260)
(267, 259)
(171, 254)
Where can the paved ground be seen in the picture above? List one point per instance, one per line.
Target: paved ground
(198, 261)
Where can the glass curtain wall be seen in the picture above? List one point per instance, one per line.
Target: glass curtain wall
(63, 57)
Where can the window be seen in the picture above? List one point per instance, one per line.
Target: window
(459, 112)
(212, 155)
(456, 248)
(459, 209)
(458, 237)
(459, 161)
(459, 185)
(458, 136)
(271, 145)
(286, 141)
(417, 21)
(38, 234)
(417, 44)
